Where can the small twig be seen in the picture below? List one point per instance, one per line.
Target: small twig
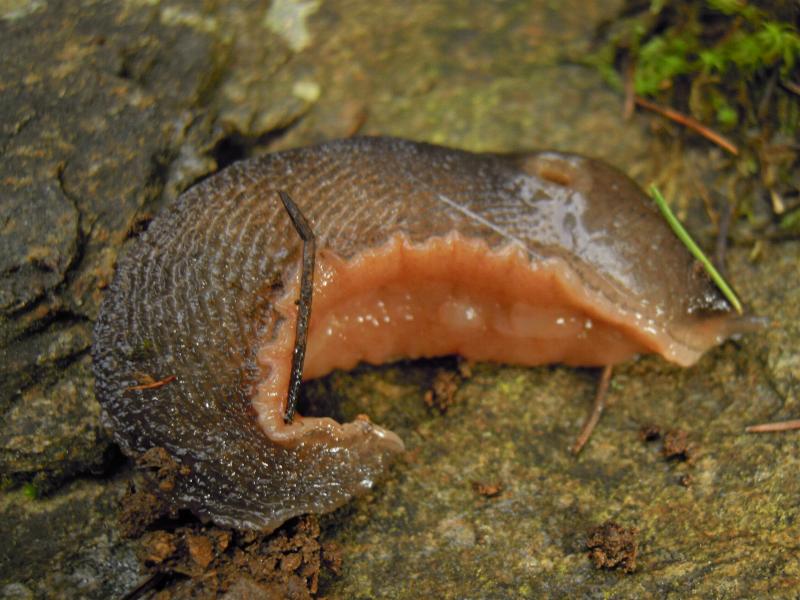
(154, 385)
(597, 409)
(791, 86)
(630, 90)
(689, 122)
(772, 427)
(306, 234)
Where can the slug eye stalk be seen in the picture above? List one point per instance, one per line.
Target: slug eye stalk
(303, 303)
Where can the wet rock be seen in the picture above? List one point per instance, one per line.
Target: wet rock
(53, 431)
(38, 241)
(90, 104)
(66, 543)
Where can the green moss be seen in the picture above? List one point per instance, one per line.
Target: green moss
(731, 65)
(719, 45)
(791, 221)
(751, 42)
(30, 491)
(661, 60)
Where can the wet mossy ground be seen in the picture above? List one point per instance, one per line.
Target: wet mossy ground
(111, 109)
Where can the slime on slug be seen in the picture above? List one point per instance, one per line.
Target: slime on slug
(421, 251)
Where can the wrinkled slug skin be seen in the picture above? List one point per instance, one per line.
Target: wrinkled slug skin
(194, 297)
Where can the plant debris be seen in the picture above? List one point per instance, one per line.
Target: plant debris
(598, 406)
(150, 383)
(792, 425)
(689, 122)
(726, 70)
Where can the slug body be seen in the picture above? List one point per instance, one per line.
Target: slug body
(421, 251)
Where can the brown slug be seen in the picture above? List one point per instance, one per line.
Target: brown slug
(421, 251)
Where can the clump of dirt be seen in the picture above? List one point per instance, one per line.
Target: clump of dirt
(465, 367)
(675, 443)
(612, 546)
(144, 502)
(678, 447)
(442, 394)
(206, 561)
(190, 559)
(165, 469)
(140, 508)
(650, 433)
(488, 489)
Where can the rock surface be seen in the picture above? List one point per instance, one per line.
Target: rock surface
(110, 109)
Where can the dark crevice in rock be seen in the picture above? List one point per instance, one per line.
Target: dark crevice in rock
(160, 163)
(153, 189)
(82, 235)
(236, 146)
(108, 461)
(25, 365)
(61, 317)
(47, 309)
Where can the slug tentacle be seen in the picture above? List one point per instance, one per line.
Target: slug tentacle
(420, 251)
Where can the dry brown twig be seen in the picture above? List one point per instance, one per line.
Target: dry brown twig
(690, 122)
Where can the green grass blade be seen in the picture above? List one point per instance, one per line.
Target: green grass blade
(687, 240)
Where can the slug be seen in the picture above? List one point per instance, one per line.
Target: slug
(422, 251)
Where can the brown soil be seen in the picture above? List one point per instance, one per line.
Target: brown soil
(442, 394)
(678, 447)
(487, 490)
(189, 559)
(650, 433)
(612, 546)
(675, 443)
